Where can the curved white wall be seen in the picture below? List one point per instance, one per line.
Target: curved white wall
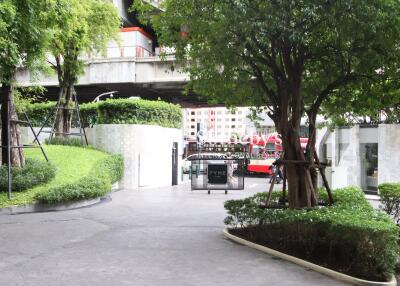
(147, 151)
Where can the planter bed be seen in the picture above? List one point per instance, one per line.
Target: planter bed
(350, 236)
(323, 270)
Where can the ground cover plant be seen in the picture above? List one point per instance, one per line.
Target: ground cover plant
(81, 173)
(350, 236)
(35, 172)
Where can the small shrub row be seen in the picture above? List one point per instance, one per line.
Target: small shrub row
(390, 199)
(35, 172)
(127, 111)
(107, 171)
(350, 236)
(66, 141)
(114, 111)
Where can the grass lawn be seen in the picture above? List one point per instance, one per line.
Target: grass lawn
(72, 164)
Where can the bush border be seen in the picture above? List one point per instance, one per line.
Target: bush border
(323, 270)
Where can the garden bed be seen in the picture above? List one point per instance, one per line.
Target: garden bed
(82, 173)
(349, 237)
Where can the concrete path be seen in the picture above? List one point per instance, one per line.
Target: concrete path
(168, 236)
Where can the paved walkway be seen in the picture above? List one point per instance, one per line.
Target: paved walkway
(168, 236)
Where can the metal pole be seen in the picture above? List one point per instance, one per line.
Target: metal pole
(36, 137)
(41, 128)
(9, 193)
(81, 128)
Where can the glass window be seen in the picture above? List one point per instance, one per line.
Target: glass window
(369, 167)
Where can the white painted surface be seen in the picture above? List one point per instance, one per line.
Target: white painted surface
(347, 155)
(147, 151)
(369, 135)
(389, 153)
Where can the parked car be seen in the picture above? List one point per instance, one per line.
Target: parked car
(187, 162)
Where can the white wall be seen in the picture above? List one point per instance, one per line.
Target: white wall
(147, 151)
(347, 156)
(389, 153)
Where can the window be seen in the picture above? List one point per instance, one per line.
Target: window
(233, 119)
(192, 133)
(198, 113)
(239, 119)
(226, 119)
(219, 112)
(192, 120)
(219, 119)
(233, 126)
(192, 126)
(239, 112)
(192, 113)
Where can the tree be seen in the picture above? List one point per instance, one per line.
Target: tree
(373, 104)
(290, 56)
(80, 27)
(22, 38)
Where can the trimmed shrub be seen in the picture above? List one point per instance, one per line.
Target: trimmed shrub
(350, 236)
(107, 171)
(67, 141)
(35, 172)
(39, 112)
(89, 114)
(390, 199)
(114, 111)
(127, 111)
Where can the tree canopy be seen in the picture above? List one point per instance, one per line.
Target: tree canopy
(291, 56)
(23, 33)
(80, 27)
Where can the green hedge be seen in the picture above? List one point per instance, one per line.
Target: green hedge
(35, 172)
(390, 199)
(115, 111)
(350, 236)
(38, 112)
(127, 111)
(107, 171)
(66, 141)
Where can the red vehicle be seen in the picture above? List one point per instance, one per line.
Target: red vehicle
(263, 151)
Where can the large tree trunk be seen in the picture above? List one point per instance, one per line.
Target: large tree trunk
(64, 115)
(301, 192)
(310, 149)
(8, 109)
